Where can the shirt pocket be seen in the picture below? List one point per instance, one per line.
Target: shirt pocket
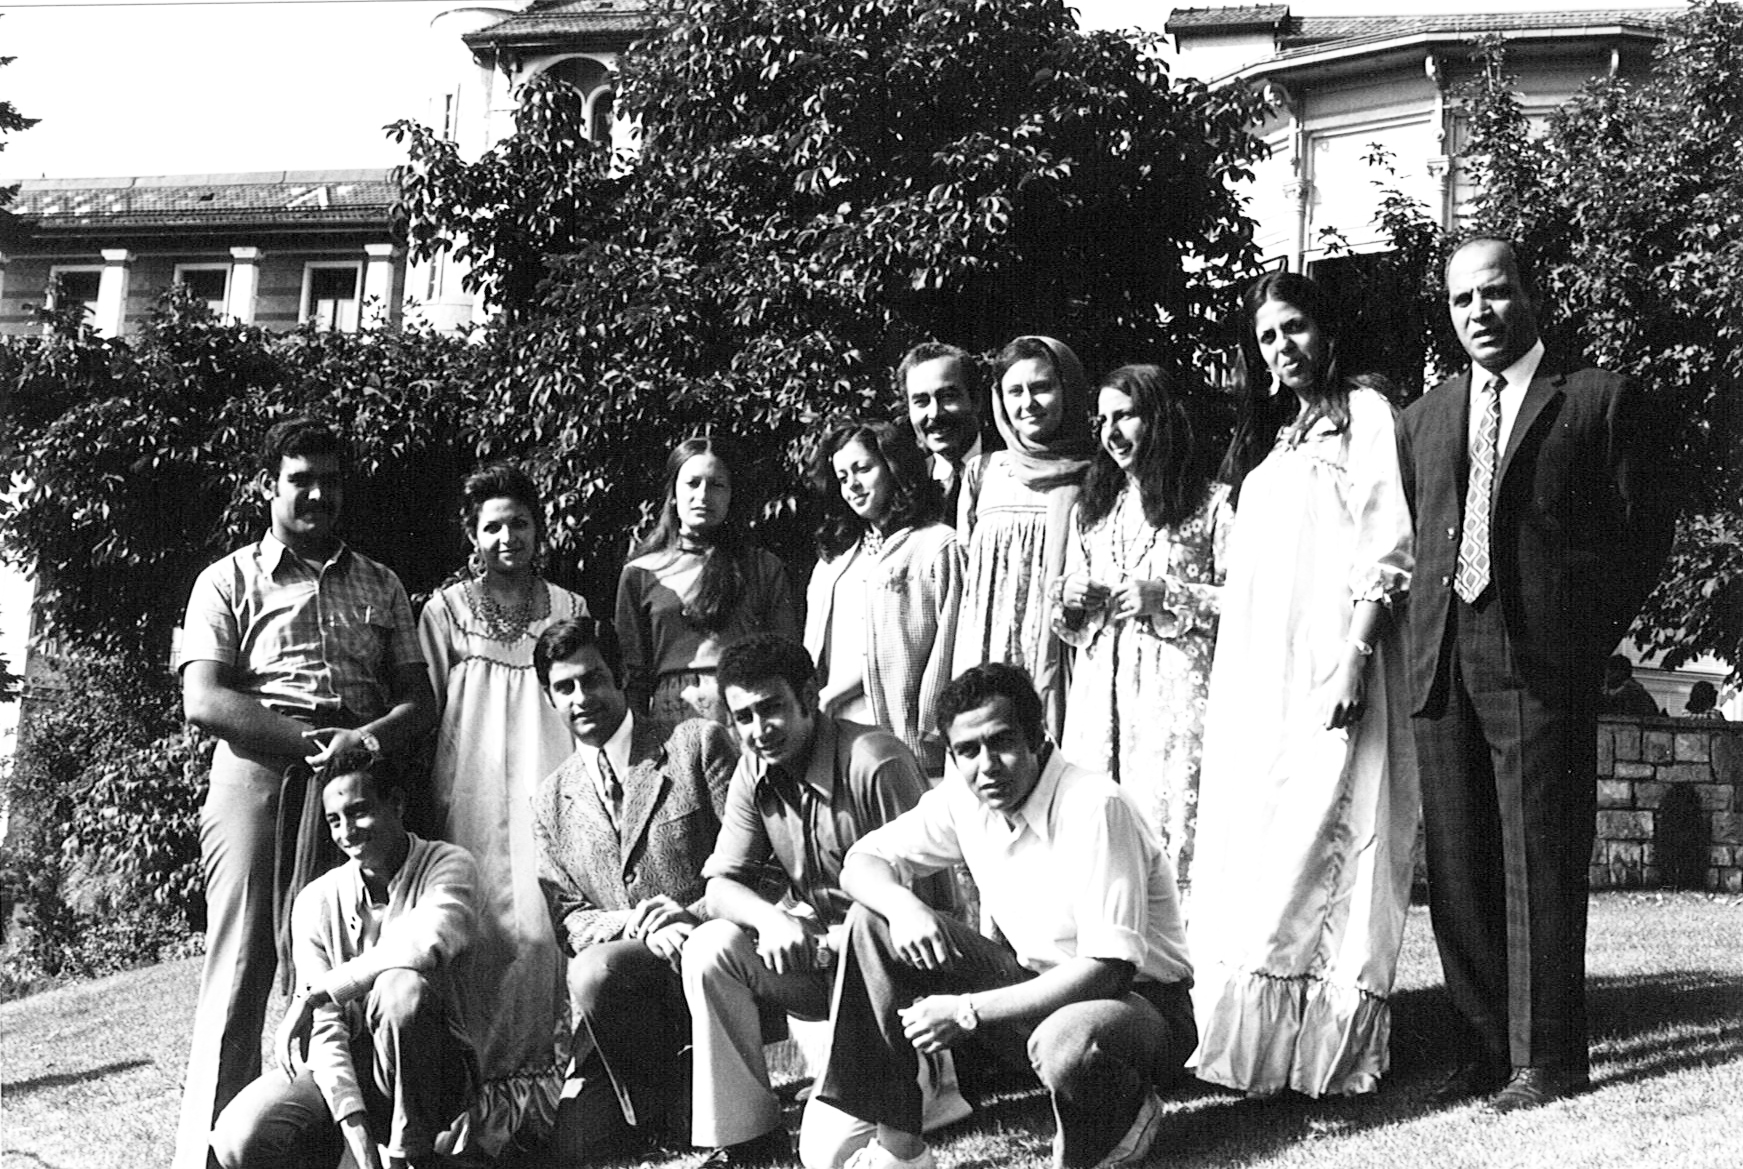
(358, 635)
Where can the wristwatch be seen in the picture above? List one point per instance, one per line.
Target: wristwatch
(370, 742)
(966, 1017)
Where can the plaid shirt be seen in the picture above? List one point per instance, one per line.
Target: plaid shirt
(308, 641)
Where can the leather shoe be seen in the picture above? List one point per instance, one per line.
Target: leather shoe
(772, 1148)
(1535, 1087)
(1476, 1077)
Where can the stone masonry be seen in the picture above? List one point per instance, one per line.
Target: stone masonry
(1640, 763)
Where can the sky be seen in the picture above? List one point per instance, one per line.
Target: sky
(125, 87)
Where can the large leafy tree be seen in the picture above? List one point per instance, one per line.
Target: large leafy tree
(1629, 203)
(821, 183)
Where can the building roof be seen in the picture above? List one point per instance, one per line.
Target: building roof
(262, 197)
(546, 21)
(1295, 33)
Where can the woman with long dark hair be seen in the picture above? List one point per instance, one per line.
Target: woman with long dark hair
(497, 739)
(696, 583)
(1016, 515)
(881, 609)
(1308, 802)
(1139, 600)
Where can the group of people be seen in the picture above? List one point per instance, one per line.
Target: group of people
(1096, 755)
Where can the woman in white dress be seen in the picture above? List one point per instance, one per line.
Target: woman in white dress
(696, 584)
(1015, 515)
(880, 614)
(497, 739)
(1308, 801)
(1139, 601)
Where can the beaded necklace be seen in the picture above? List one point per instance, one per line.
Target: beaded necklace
(507, 622)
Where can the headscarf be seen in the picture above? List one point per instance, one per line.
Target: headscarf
(1065, 457)
(1057, 467)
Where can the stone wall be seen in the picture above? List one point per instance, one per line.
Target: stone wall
(1648, 770)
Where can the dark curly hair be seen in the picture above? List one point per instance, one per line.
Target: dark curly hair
(979, 685)
(916, 500)
(501, 481)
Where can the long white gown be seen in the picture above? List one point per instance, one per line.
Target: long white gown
(1305, 836)
(497, 739)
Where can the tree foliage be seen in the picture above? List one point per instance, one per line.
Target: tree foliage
(817, 187)
(134, 460)
(1629, 204)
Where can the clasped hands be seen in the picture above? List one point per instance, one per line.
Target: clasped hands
(663, 926)
(1126, 599)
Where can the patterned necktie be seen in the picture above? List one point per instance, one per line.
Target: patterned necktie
(1473, 574)
(613, 788)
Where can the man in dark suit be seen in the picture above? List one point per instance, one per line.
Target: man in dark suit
(938, 386)
(1536, 540)
(623, 827)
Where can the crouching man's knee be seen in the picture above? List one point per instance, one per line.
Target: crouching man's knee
(396, 998)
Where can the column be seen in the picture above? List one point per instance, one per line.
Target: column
(244, 284)
(112, 292)
(379, 308)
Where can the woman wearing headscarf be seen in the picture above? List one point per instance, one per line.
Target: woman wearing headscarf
(1015, 515)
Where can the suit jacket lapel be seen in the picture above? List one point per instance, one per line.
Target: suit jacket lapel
(1545, 386)
(1451, 445)
(645, 786)
(583, 806)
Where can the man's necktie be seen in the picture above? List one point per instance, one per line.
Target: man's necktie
(1473, 574)
(613, 788)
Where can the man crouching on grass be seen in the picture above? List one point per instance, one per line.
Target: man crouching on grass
(388, 1063)
(1092, 989)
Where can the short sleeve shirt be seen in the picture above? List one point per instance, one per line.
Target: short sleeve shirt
(307, 640)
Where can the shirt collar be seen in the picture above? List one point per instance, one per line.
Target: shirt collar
(1037, 810)
(616, 748)
(273, 551)
(943, 470)
(1518, 375)
(819, 765)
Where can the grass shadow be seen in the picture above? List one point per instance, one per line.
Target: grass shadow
(66, 1079)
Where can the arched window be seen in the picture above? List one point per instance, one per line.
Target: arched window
(593, 81)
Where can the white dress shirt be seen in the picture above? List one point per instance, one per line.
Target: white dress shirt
(616, 752)
(1518, 376)
(1074, 873)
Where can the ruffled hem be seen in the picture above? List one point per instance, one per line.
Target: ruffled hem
(1265, 1033)
(516, 1110)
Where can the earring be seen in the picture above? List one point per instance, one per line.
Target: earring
(475, 563)
(539, 562)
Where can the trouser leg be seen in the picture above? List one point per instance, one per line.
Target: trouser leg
(238, 837)
(631, 1017)
(1099, 1059)
(277, 1123)
(420, 1072)
(723, 978)
(872, 1070)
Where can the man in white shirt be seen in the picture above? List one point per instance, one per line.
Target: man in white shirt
(1093, 986)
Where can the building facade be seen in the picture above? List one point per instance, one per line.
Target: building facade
(278, 249)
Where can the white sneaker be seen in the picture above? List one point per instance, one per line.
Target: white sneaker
(875, 1156)
(1135, 1145)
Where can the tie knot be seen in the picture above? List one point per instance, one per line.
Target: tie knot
(1497, 384)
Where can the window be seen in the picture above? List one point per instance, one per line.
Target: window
(332, 295)
(599, 121)
(209, 282)
(79, 285)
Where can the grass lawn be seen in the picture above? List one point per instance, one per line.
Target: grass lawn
(91, 1072)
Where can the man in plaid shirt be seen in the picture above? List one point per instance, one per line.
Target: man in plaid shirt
(294, 650)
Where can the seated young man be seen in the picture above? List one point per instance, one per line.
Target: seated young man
(388, 1065)
(1092, 990)
(807, 786)
(623, 827)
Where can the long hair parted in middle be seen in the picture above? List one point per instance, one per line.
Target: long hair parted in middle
(1172, 469)
(917, 499)
(1266, 405)
(721, 585)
